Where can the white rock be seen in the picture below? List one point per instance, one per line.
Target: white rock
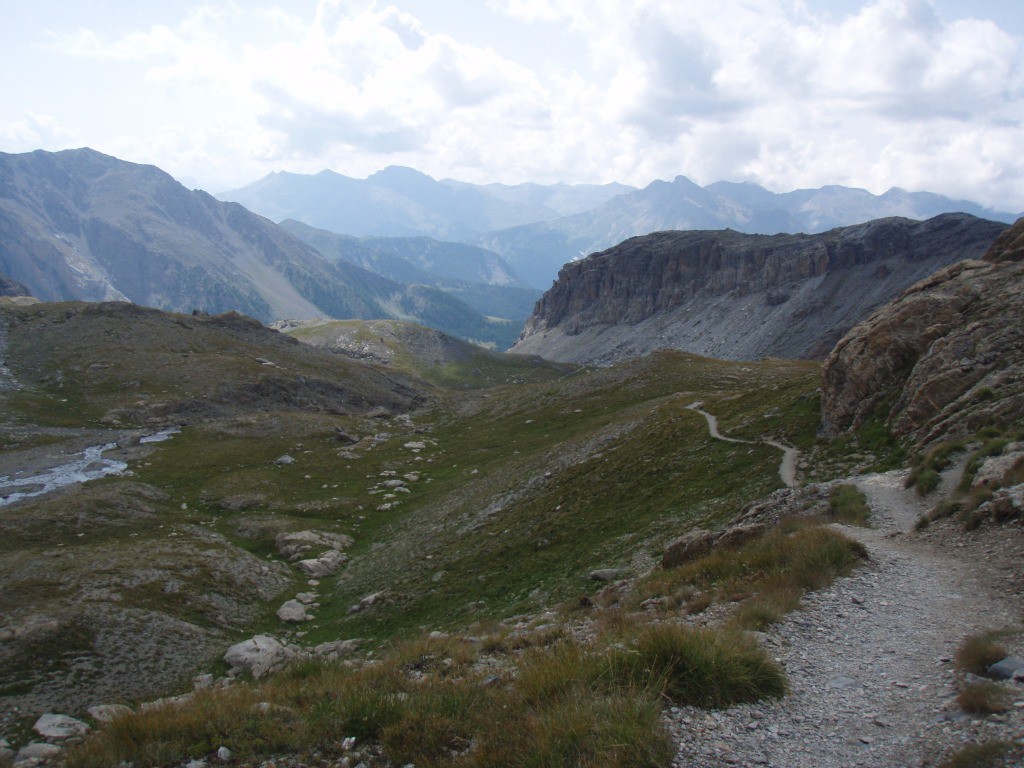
(284, 460)
(223, 754)
(37, 751)
(260, 655)
(306, 598)
(293, 611)
(104, 713)
(325, 565)
(337, 648)
(57, 727)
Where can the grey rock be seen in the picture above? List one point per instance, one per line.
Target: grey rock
(104, 713)
(325, 565)
(338, 648)
(223, 754)
(306, 598)
(260, 655)
(606, 574)
(1007, 669)
(37, 751)
(293, 612)
(58, 727)
(284, 460)
(368, 601)
(844, 683)
(295, 544)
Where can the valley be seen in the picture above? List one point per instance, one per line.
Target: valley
(212, 525)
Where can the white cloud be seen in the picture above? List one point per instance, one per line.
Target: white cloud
(891, 94)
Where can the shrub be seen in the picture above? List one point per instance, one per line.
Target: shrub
(985, 698)
(977, 653)
(987, 755)
(847, 504)
(697, 667)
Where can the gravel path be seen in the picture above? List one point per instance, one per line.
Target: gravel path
(787, 469)
(868, 661)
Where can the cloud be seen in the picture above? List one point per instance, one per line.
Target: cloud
(34, 131)
(889, 94)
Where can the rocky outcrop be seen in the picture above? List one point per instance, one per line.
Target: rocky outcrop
(945, 358)
(734, 296)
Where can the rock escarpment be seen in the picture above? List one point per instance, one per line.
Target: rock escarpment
(734, 296)
(945, 358)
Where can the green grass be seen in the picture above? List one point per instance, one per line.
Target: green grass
(769, 573)
(847, 504)
(565, 704)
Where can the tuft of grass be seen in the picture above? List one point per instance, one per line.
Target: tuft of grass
(987, 755)
(984, 698)
(977, 653)
(774, 570)
(698, 667)
(847, 504)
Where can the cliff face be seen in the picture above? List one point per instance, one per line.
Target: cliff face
(944, 359)
(736, 296)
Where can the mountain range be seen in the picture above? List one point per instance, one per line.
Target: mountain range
(82, 225)
(537, 229)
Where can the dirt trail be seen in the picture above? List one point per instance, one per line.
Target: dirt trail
(868, 660)
(787, 469)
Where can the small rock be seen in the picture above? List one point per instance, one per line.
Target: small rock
(223, 754)
(368, 602)
(37, 751)
(606, 574)
(1007, 669)
(195, 764)
(337, 648)
(284, 460)
(199, 682)
(105, 713)
(58, 727)
(325, 565)
(306, 598)
(844, 683)
(293, 612)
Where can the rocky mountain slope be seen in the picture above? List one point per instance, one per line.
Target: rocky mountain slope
(945, 358)
(82, 225)
(741, 297)
(537, 251)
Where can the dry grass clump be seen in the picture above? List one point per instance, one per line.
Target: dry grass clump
(984, 698)
(991, 754)
(977, 653)
(770, 573)
(567, 704)
(847, 504)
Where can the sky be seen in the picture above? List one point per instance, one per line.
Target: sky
(918, 94)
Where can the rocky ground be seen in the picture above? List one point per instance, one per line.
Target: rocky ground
(870, 660)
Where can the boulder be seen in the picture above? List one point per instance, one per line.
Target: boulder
(346, 437)
(337, 648)
(325, 565)
(260, 655)
(58, 727)
(1007, 669)
(696, 543)
(104, 713)
(606, 574)
(37, 751)
(284, 460)
(293, 612)
(294, 545)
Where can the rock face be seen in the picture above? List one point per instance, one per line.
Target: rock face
(945, 358)
(734, 296)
